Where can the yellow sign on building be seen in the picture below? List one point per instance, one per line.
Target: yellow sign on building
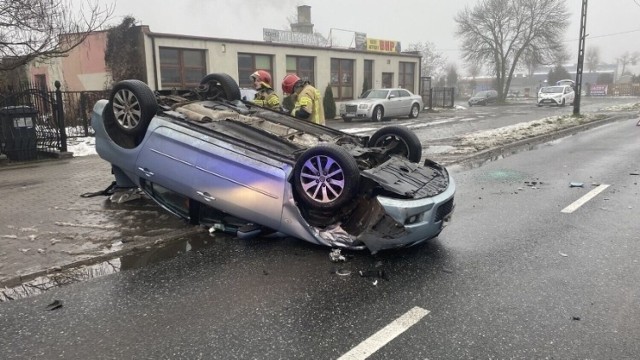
(383, 45)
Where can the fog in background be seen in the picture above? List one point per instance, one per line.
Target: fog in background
(613, 25)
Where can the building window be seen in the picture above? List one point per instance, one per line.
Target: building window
(342, 79)
(368, 75)
(249, 63)
(301, 66)
(181, 68)
(407, 76)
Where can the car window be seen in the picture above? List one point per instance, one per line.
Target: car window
(395, 93)
(404, 93)
(552, 89)
(377, 94)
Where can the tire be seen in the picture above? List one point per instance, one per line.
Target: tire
(378, 113)
(562, 104)
(415, 111)
(332, 189)
(221, 86)
(400, 140)
(133, 105)
(346, 119)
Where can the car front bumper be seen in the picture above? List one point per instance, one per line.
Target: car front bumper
(354, 112)
(396, 223)
(549, 101)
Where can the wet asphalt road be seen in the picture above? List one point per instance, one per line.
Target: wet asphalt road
(511, 277)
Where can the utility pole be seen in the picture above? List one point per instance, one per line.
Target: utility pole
(583, 35)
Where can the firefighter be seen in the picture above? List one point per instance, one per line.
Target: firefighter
(265, 95)
(308, 102)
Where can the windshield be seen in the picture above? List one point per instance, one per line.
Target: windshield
(552, 89)
(482, 94)
(377, 94)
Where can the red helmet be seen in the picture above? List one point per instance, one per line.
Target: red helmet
(289, 82)
(261, 75)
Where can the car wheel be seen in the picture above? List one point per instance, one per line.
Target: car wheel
(346, 119)
(221, 86)
(378, 113)
(326, 177)
(415, 111)
(133, 105)
(400, 140)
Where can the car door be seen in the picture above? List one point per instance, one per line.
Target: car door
(395, 102)
(169, 158)
(405, 103)
(240, 182)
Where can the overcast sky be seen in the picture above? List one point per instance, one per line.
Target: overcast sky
(612, 25)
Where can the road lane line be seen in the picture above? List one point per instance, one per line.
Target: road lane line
(583, 200)
(385, 335)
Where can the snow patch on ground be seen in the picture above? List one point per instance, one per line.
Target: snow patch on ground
(482, 140)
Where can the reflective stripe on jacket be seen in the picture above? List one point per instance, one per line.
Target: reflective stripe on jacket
(309, 99)
(266, 97)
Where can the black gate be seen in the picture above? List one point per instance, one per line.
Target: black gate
(58, 115)
(442, 97)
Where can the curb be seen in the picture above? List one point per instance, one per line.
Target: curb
(165, 239)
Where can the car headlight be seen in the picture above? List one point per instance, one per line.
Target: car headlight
(363, 106)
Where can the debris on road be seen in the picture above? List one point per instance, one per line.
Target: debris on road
(56, 304)
(373, 273)
(343, 272)
(576, 184)
(563, 254)
(336, 256)
(635, 173)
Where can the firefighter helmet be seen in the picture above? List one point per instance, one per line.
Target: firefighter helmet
(289, 82)
(263, 76)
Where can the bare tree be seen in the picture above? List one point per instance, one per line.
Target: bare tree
(433, 62)
(43, 29)
(592, 58)
(499, 33)
(627, 59)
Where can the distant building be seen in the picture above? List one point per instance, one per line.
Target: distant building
(181, 61)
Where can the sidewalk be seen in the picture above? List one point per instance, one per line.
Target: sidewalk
(45, 224)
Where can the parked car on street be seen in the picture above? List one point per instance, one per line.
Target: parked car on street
(213, 159)
(556, 95)
(378, 104)
(484, 98)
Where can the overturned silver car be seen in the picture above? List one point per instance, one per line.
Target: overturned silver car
(213, 159)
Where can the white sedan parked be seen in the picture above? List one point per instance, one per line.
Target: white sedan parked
(377, 104)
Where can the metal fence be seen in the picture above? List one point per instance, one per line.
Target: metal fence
(58, 116)
(442, 97)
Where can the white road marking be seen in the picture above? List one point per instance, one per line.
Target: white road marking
(583, 200)
(385, 335)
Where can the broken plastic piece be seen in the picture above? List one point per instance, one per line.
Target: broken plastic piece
(56, 304)
(562, 254)
(576, 184)
(336, 255)
(123, 195)
(373, 273)
(343, 272)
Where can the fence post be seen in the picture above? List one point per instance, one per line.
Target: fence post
(83, 113)
(60, 112)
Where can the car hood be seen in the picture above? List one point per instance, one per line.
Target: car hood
(362, 101)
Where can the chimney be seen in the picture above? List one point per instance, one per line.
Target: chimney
(304, 24)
